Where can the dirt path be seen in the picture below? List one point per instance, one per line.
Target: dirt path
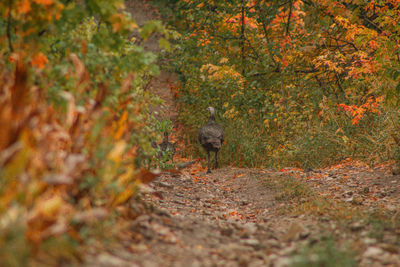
(252, 217)
(246, 217)
(227, 218)
(161, 85)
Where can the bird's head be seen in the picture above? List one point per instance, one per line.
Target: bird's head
(212, 113)
(211, 110)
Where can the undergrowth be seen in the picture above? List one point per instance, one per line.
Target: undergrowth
(274, 116)
(332, 250)
(299, 199)
(75, 124)
(325, 252)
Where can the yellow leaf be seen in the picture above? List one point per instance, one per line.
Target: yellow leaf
(51, 206)
(126, 177)
(17, 165)
(117, 152)
(120, 5)
(124, 196)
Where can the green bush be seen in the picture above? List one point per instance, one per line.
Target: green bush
(324, 253)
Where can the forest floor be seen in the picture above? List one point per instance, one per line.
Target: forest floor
(345, 215)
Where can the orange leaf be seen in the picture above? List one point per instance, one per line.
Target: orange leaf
(44, 2)
(147, 176)
(24, 6)
(39, 60)
(124, 196)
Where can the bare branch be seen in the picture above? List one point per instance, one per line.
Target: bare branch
(10, 46)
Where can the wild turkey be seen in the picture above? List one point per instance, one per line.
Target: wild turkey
(165, 147)
(211, 137)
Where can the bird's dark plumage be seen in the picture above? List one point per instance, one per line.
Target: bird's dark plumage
(165, 146)
(211, 137)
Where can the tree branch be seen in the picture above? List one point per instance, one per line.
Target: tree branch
(10, 46)
(242, 39)
(288, 20)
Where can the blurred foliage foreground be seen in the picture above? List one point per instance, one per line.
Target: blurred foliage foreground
(294, 83)
(74, 122)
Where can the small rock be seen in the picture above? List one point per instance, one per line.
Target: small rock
(139, 248)
(195, 264)
(252, 243)
(391, 207)
(244, 235)
(272, 243)
(349, 199)
(295, 232)
(384, 259)
(373, 253)
(166, 185)
(145, 189)
(304, 234)
(357, 200)
(369, 241)
(366, 190)
(312, 241)
(257, 263)
(186, 178)
(282, 262)
(179, 202)
(365, 262)
(243, 260)
(396, 171)
(109, 260)
(390, 238)
(90, 215)
(356, 226)
(348, 193)
(390, 248)
(142, 219)
(226, 231)
(244, 203)
(250, 228)
(288, 250)
(162, 212)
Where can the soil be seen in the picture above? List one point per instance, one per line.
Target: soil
(249, 217)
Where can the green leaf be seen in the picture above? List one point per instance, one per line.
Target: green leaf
(152, 26)
(163, 43)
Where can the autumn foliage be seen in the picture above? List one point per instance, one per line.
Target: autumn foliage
(303, 83)
(73, 141)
